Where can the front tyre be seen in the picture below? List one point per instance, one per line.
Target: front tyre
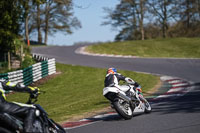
(55, 128)
(61, 130)
(123, 108)
(147, 107)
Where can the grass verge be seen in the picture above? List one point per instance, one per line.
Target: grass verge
(170, 47)
(78, 90)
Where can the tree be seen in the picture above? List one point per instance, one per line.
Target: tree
(10, 22)
(59, 17)
(189, 12)
(50, 16)
(26, 16)
(38, 20)
(127, 17)
(122, 18)
(188, 21)
(10, 14)
(198, 7)
(140, 8)
(163, 11)
(141, 17)
(47, 17)
(28, 13)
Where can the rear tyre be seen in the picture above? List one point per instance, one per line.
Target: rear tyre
(4, 130)
(123, 108)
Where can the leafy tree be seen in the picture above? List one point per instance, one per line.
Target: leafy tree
(10, 22)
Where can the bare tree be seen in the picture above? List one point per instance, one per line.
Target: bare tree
(29, 10)
(189, 12)
(140, 7)
(163, 12)
(38, 20)
(47, 15)
(128, 17)
(26, 16)
(141, 18)
(59, 17)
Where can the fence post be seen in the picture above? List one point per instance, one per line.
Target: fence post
(9, 61)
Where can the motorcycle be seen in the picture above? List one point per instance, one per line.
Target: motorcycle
(127, 100)
(13, 124)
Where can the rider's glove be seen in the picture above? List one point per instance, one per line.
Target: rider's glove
(136, 84)
(34, 91)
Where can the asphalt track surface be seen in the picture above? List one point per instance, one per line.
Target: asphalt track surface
(172, 115)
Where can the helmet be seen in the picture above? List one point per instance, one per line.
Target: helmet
(112, 71)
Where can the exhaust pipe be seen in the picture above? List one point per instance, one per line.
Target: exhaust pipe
(124, 97)
(127, 99)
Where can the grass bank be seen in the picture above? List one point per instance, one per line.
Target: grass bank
(171, 47)
(78, 90)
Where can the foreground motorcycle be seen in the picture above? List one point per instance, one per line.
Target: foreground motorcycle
(127, 100)
(42, 124)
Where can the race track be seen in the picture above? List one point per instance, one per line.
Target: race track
(172, 115)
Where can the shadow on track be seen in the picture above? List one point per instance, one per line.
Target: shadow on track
(111, 117)
(189, 103)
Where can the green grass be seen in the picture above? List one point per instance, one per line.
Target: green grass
(78, 90)
(171, 47)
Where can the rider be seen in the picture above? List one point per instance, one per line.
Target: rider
(26, 112)
(112, 79)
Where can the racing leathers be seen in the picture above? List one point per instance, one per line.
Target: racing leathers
(25, 112)
(112, 80)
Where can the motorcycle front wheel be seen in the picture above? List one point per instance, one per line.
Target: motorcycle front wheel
(56, 128)
(147, 107)
(123, 108)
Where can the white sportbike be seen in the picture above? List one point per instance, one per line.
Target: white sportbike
(127, 100)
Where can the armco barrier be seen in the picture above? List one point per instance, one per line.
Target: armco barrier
(32, 73)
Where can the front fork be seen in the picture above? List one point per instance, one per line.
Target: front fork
(138, 98)
(141, 97)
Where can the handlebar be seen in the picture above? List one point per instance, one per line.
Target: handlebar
(33, 94)
(33, 97)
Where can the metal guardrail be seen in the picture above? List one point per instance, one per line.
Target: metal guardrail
(32, 73)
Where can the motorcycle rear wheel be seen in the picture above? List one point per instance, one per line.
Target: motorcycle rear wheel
(4, 130)
(123, 108)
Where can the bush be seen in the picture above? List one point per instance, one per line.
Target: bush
(3, 67)
(28, 61)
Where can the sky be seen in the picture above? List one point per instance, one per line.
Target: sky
(91, 17)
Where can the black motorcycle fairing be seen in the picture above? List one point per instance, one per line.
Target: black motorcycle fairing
(39, 107)
(10, 122)
(111, 96)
